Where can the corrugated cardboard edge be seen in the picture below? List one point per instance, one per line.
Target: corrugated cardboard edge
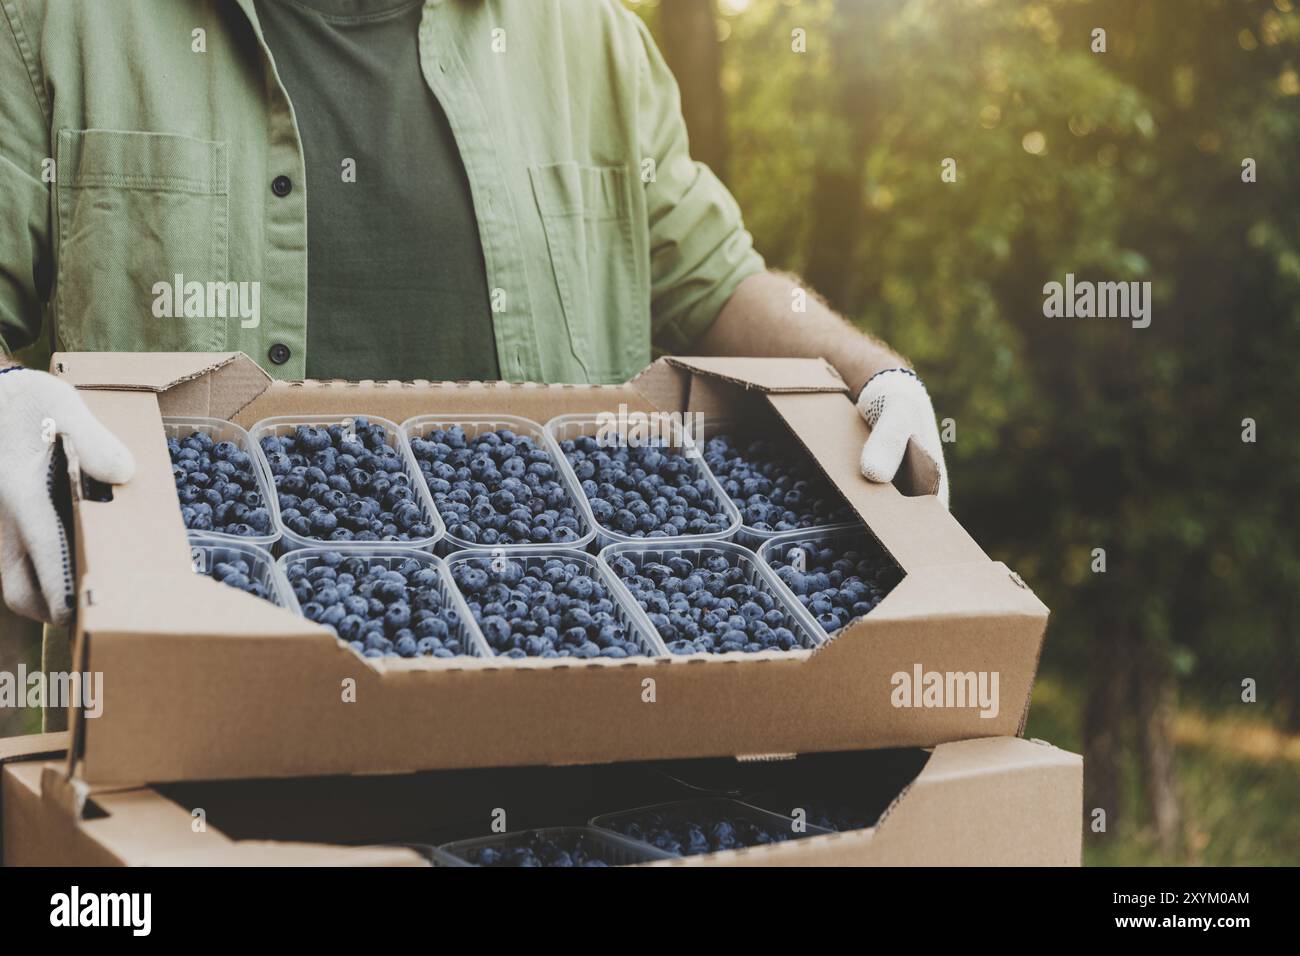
(28, 747)
(140, 371)
(908, 832)
(766, 374)
(217, 384)
(32, 745)
(974, 759)
(137, 826)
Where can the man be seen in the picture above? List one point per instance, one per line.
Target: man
(495, 188)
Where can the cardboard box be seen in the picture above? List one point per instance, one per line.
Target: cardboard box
(991, 802)
(202, 682)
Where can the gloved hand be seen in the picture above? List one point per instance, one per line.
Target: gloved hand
(36, 567)
(897, 407)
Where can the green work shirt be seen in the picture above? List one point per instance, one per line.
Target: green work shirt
(396, 286)
(145, 140)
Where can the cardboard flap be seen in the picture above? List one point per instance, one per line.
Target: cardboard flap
(69, 794)
(767, 374)
(664, 385)
(1011, 796)
(269, 853)
(155, 603)
(138, 371)
(32, 745)
(917, 531)
(959, 590)
(215, 384)
(992, 755)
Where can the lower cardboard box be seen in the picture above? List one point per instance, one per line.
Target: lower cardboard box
(992, 801)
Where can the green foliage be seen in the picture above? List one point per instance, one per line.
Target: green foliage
(1241, 790)
(1072, 434)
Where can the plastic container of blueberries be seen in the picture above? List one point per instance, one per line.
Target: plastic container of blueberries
(614, 849)
(391, 557)
(181, 427)
(702, 810)
(778, 547)
(748, 535)
(565, 427)
(208, 550)
(771, 800)
(475, 425)
(800, 620)
(280, 425)
(625, 610)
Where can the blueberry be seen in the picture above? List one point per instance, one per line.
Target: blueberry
(686, 830)
(706, 605)
(776, 486)
(238, 574)
(537, 849)
(335, 487)
(390, 611)
(841, 581)
(543, 607)
(220, 478)
(498, 488)
(645, 491)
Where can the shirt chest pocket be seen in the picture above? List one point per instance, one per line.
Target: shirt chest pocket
(587, 216)
(142, 230)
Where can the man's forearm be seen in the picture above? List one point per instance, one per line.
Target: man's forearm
(760, 318)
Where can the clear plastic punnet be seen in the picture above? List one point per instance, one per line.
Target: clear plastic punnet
(663, 826)
(392, 558)
(807, 634)
(474, 425)
(750, 535)
(497, 561)
(565, 428)
(209, 551)
(281, 425)
(780, 551)
(180, 428)
(608, 848)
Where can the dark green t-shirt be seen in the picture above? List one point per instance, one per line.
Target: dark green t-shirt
(396, 286)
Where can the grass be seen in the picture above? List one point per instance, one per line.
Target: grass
(1238, 782)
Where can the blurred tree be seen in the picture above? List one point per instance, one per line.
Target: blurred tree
(1073, 434)
(689, 38)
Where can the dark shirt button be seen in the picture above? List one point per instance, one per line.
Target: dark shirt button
(282, 185)
(278, 353)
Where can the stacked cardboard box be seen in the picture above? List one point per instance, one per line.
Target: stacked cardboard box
(203, 683)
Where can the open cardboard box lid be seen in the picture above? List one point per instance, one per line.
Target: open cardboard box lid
(202, 682)
(997, 801)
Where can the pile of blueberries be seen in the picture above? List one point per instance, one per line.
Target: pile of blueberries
(838, 585)
(543, 607)
(707, 605)
(645, 491)
(540, 849)
(688, 832)
(340, 484)
(217, 486)
(825, 813)
(381, 611)
(775, 486)
(237, 573)
(496, 488)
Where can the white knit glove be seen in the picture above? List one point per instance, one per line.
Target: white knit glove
(897, 407)
(36, 567)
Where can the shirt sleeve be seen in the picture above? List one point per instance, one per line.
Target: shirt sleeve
(699, 247)
(24, 195)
